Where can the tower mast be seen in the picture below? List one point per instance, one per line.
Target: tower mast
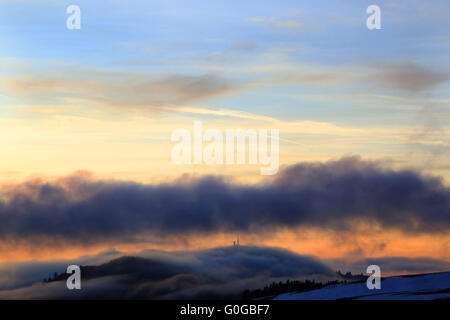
(238, 240)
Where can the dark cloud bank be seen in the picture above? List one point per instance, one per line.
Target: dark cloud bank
(328, 195)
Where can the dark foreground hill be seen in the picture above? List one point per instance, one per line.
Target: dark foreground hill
(221, 273)
(133, 267)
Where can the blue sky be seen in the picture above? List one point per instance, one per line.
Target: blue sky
(290, 61)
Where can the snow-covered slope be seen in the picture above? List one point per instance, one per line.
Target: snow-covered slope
(422, 287)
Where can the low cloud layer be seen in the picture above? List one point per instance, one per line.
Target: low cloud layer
(217, 273)
(391, 265)
(333, 195)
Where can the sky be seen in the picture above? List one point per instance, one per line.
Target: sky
(86, 118)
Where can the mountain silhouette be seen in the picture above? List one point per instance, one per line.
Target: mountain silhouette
(133, 267)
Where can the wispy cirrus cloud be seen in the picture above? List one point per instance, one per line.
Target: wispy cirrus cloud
(406, 76)
(128, 90)
(273, 22)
